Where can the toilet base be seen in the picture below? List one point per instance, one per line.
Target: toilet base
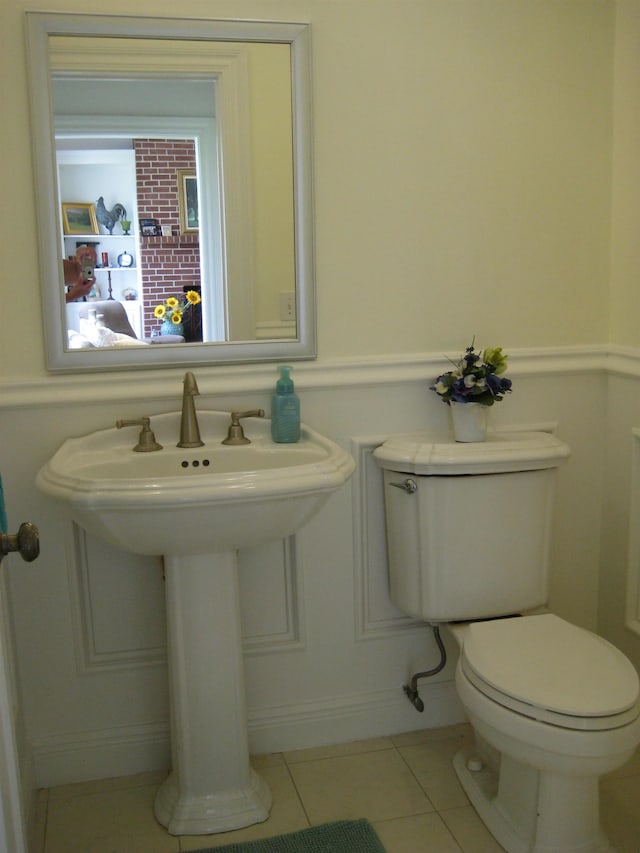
(526, 810)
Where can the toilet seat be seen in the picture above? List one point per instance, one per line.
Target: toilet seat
(549, 670)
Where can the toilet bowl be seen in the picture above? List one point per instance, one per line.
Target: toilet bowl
(553, 707)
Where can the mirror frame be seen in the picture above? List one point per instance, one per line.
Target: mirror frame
(39, 26)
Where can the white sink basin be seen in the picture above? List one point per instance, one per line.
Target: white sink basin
(212, 498)
(196, 507)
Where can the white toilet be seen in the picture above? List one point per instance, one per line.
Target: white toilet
(552, 706)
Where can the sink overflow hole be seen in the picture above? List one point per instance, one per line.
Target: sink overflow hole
(195, 463)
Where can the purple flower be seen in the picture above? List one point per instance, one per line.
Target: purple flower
(475, 379)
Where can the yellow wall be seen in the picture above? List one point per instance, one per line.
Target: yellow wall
(272, 176)
(625, 256)
(462, 171)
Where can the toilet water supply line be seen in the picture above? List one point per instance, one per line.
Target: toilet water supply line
(411, 689)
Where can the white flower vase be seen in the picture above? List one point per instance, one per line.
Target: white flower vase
(469, 421)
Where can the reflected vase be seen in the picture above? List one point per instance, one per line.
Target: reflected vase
(169, 328)
(469, 421)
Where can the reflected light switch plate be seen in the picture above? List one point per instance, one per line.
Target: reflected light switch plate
(287, 305)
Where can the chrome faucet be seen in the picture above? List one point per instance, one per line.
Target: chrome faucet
(189, 429)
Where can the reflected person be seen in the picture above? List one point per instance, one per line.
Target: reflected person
(77, 286)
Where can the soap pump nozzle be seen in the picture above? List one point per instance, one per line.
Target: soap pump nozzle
(284, 385)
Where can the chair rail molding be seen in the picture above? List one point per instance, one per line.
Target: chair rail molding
(381, 369)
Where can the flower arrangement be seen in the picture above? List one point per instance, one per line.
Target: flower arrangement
(172, 309)
(476, 379)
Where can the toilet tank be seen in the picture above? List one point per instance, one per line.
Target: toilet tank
(468, 524)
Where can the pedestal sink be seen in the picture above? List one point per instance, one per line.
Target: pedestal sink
(196, 507)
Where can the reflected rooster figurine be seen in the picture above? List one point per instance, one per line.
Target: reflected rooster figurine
(108, 218)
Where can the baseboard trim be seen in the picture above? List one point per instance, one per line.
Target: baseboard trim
(127, 750)
(118, 751)
(348, 718)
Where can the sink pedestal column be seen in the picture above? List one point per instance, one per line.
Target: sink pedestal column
(212, 787)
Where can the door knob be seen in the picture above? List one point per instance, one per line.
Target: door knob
(26, 542)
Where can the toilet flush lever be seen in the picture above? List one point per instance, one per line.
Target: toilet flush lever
(409, 486)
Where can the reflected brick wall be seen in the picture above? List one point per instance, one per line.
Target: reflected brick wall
(168, 264)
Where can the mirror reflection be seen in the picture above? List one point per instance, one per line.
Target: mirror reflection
(144, 178)
(182, 193)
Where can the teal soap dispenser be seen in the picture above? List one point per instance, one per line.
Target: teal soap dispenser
(285, 410)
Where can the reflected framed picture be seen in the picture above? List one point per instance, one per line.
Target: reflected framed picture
(79, 218)
(188, 201)
(150, 228)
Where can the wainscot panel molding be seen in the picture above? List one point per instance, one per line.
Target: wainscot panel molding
(112, 631)
(271, 611)
(633, 562)
(375, 615)
(328, 373)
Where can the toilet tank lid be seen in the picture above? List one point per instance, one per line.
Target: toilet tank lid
(504, 450)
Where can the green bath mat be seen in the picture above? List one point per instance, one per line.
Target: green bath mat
(343, 836)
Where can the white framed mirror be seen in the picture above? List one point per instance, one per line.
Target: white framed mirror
(229, 105)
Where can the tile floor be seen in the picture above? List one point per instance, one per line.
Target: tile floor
(404, 785)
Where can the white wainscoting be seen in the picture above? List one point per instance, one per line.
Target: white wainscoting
(111, 630)
(118, 609)
(375, 615)
(633, 563)
(118, 603)
(326, 651)
(118, 624)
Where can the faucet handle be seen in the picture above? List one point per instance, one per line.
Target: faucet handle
(146, 440)
(236, 433)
